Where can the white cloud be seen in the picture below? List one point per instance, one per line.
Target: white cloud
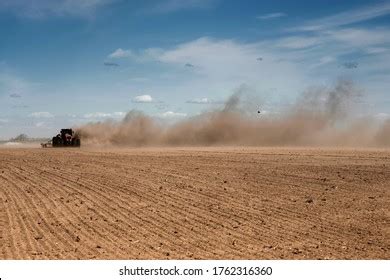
(146, 55)
(41, 115)
(347, 17)
(225, 64)
(120, 53)
(298, 42)
(271, 16)
(99, 115)
(289, 64)
(376, 50)
(143, 99)
(119, 114)
(170, 115)
(323, 47)
(326, 59)
(204, 100)
(360, 36)
(4, 121)
(45, 8)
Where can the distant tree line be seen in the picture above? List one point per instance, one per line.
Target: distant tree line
(20, 138)
(23, 138)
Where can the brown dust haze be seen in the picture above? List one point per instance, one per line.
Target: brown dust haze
(319, 117)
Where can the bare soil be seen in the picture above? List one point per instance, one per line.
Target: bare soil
(195, 203)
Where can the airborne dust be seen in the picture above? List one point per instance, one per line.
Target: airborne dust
(319, 117)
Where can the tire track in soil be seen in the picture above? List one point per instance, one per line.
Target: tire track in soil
(4, 224)
(127, 190)
(36, 202)
(34, 199)
(102, 201)
(72, 218)
(31, 232)
(282, 217)
(19, 230)
(330, 231)
(170, 220)
(100, 232)
(149, 183)
(144, 221)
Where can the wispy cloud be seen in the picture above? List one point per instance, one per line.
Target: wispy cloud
(347, 17)
(43, 115)
(289, 64)
(218, 60)
(45, 8)
(120, 53)
(369, 40)
(377, 50)
(360, 36)
(170, 115)
(100, 115)
(298, 42)
(271, 16)
(216, 71)
(145, 55)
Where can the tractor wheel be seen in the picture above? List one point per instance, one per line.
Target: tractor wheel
(57, 142)
(54, 142)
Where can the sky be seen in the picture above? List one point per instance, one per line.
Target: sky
(68, 62)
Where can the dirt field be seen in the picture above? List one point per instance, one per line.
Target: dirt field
(206, 203)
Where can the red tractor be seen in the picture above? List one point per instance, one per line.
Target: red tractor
(67, 138)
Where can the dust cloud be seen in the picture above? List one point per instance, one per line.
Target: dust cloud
(319, 117)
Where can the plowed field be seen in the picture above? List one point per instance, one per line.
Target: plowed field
(194, 203)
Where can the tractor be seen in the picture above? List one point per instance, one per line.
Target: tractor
(66, 138)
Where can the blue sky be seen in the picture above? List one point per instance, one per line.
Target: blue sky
(67, 62)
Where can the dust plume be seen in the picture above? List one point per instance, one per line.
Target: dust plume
(319, 117)
(382, 138)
